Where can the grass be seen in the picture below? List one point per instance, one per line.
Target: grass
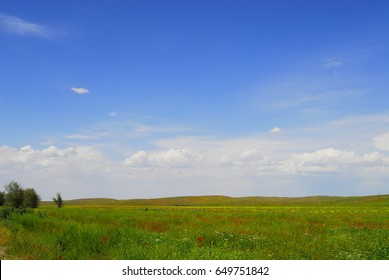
(205, 228)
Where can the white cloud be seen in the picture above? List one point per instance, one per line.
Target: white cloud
(27, 159)
(205, 166)
(275, 130)
(113, 114)
(80, 90)
(360, 133)
(361, 121)
(72, 171)
(131, 159)
(148, 129)
(233, 146)
(296, 101)
(328, 156)
(375, 157)
(250, 155)
(177, 158)
(336, 160)
(116, 131)
(87, 135)
(382, 142)
(252, 162)
(138, 159)
(310, 97)
(22, 27)
(333, 63)
(330, 160)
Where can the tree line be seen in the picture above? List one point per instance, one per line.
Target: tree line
(18, 198)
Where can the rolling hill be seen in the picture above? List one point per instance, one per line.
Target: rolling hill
(217, 200)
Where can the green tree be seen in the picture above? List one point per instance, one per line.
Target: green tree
(14, 196)
(58, 200)
(2, 198)
(31, 198)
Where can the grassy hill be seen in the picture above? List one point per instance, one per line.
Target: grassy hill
(377, 200)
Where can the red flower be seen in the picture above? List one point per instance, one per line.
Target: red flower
(60, 257)
(200, 239)
(104, 239)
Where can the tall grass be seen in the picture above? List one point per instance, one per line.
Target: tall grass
(267, 232)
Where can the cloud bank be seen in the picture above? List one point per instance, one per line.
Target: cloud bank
(128, 159)
(206, 166)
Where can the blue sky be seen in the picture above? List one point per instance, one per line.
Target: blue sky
(130, 99)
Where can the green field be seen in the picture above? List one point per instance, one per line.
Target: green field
(212, 227)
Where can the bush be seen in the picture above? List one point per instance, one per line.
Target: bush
(41, 214)
(31, 198)
(2, 198)
(14, 195)
(5, 213)
(58, 200)
(8, 212)
(18, 198)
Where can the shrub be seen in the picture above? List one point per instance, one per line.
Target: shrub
(58, 200)
(8, 212)
(5, 213)
(18, 198)
(14, 195)
(42, 214)
(2, 198)
(31, 198)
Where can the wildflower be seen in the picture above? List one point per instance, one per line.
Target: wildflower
(200, 241)
(60, 257)
(104, 239)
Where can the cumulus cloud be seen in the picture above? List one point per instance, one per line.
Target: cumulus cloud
(81, 171)
(214, 165)
(22, 27)
(275, 130)
(328, 156)
(51, 159)
(80, 90)
(250, 155)
(138, 159)
(253, 162)
(335, 160)
(382, 142)
(245, 157)
(176, 158)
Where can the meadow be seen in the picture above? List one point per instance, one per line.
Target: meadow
(326, 228)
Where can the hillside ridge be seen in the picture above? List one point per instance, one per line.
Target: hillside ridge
(220, 200)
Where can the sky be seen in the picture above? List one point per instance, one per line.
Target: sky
(143, 99)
